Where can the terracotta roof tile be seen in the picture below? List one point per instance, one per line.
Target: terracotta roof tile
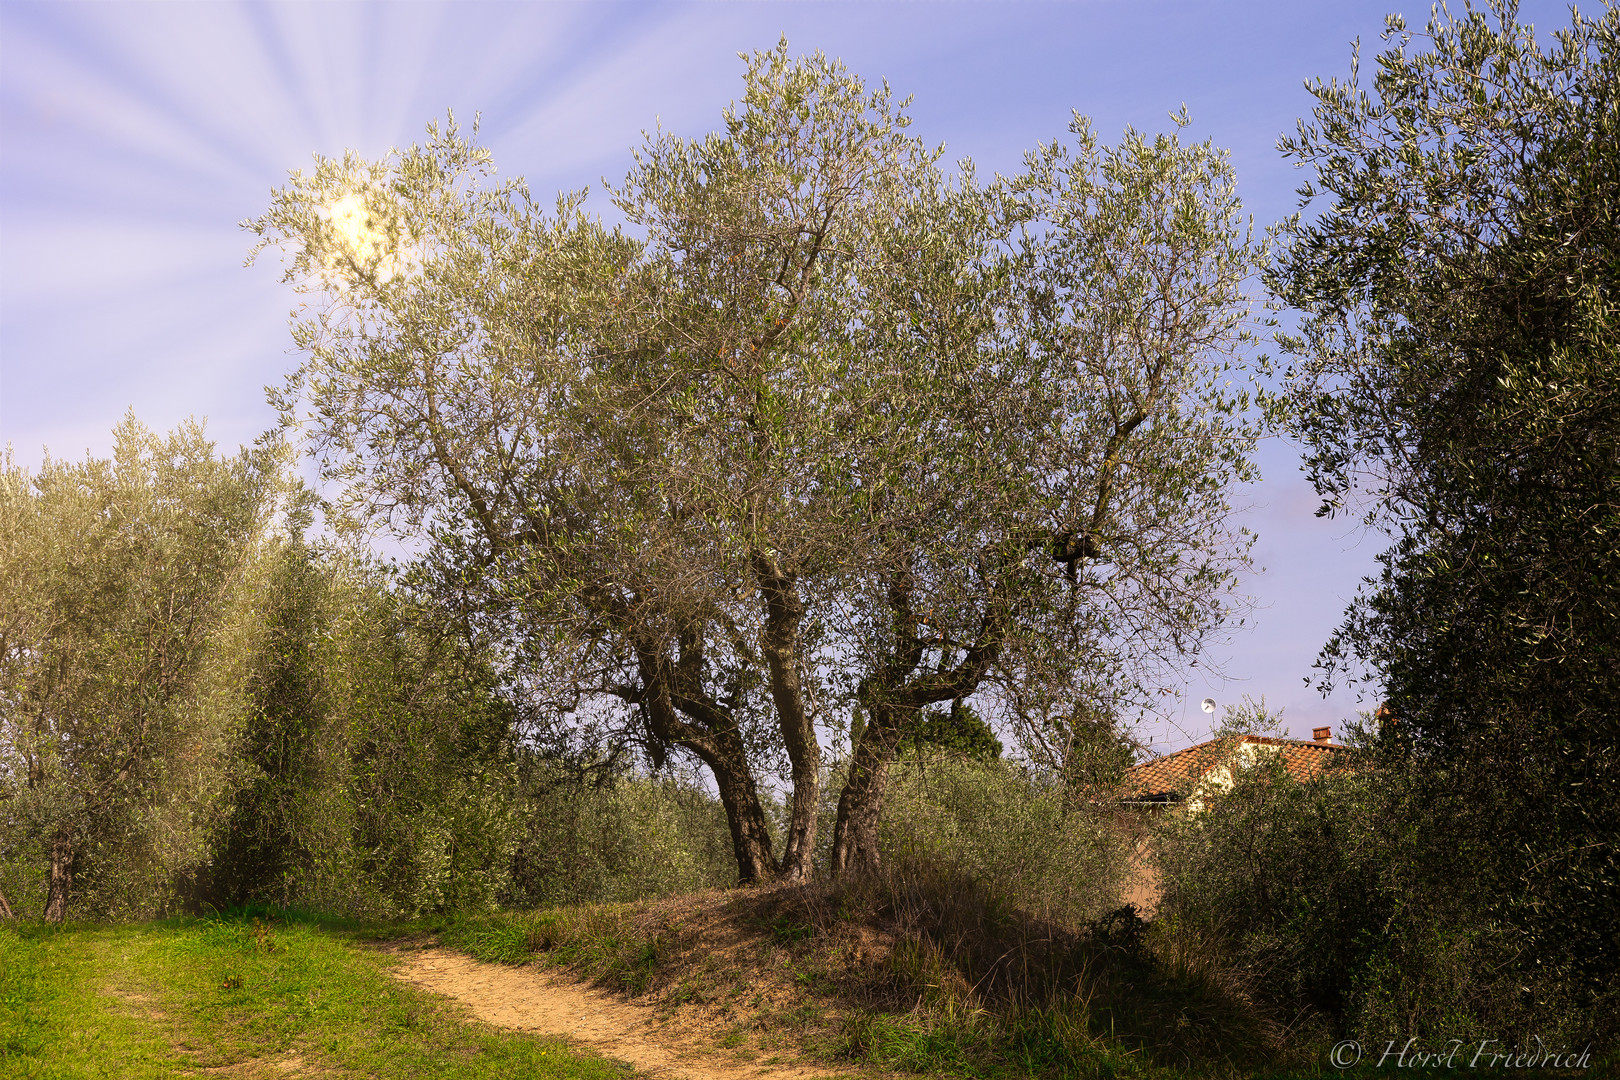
(1174, 774)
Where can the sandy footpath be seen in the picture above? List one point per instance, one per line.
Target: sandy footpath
(535, 999)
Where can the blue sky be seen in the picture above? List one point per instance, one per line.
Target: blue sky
(134, 137)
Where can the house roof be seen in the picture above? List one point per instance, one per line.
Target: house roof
(1166, 778)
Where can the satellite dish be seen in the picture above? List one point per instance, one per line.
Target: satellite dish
(1208, 705)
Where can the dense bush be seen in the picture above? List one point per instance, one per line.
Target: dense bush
(1000, 888)
(384, 776)
(1358, 898)
(1021, 838)
(620, 837)
(376, 764)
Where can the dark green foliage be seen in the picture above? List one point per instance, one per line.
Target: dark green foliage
(258, 847)
(984, 987)
(1358, 906)
(1458, 354)
(379, 772)
(959, 731)
(386, 776)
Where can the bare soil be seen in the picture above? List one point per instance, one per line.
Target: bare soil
(546, 1001)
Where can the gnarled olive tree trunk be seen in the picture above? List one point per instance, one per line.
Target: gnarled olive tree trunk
(783, 643)
(681, 713)
(855, 834)
(61, 878)
(894, 697)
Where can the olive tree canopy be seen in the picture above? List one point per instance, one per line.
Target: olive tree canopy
(821, 431)
(1455, 377)
(127, 626)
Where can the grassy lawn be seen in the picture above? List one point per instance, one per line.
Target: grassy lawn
(240, 998)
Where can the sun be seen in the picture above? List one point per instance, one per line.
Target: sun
(352, 221)
(364, 243)
(360, 246)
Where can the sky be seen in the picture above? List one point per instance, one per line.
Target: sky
(135, 137)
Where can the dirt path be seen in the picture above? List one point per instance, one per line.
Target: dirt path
(534, 999)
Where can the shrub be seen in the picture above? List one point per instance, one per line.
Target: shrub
(1000, 889)
(625, 837)
(1019, 837)
(1367, 896)
(377, 772)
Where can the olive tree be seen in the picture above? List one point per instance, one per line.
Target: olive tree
(472, 381)
(611, 440)
(1454, 380)
(126, 627)
(820, 429)
(1049, 519)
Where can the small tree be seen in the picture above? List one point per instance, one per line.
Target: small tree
(375, 771)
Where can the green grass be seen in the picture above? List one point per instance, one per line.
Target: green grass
(248, 998)
(296, 996)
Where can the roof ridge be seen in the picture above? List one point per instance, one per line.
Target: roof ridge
(1272, 740)
(1168, 773)
(1265, 740)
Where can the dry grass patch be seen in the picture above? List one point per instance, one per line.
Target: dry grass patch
(908, 973)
